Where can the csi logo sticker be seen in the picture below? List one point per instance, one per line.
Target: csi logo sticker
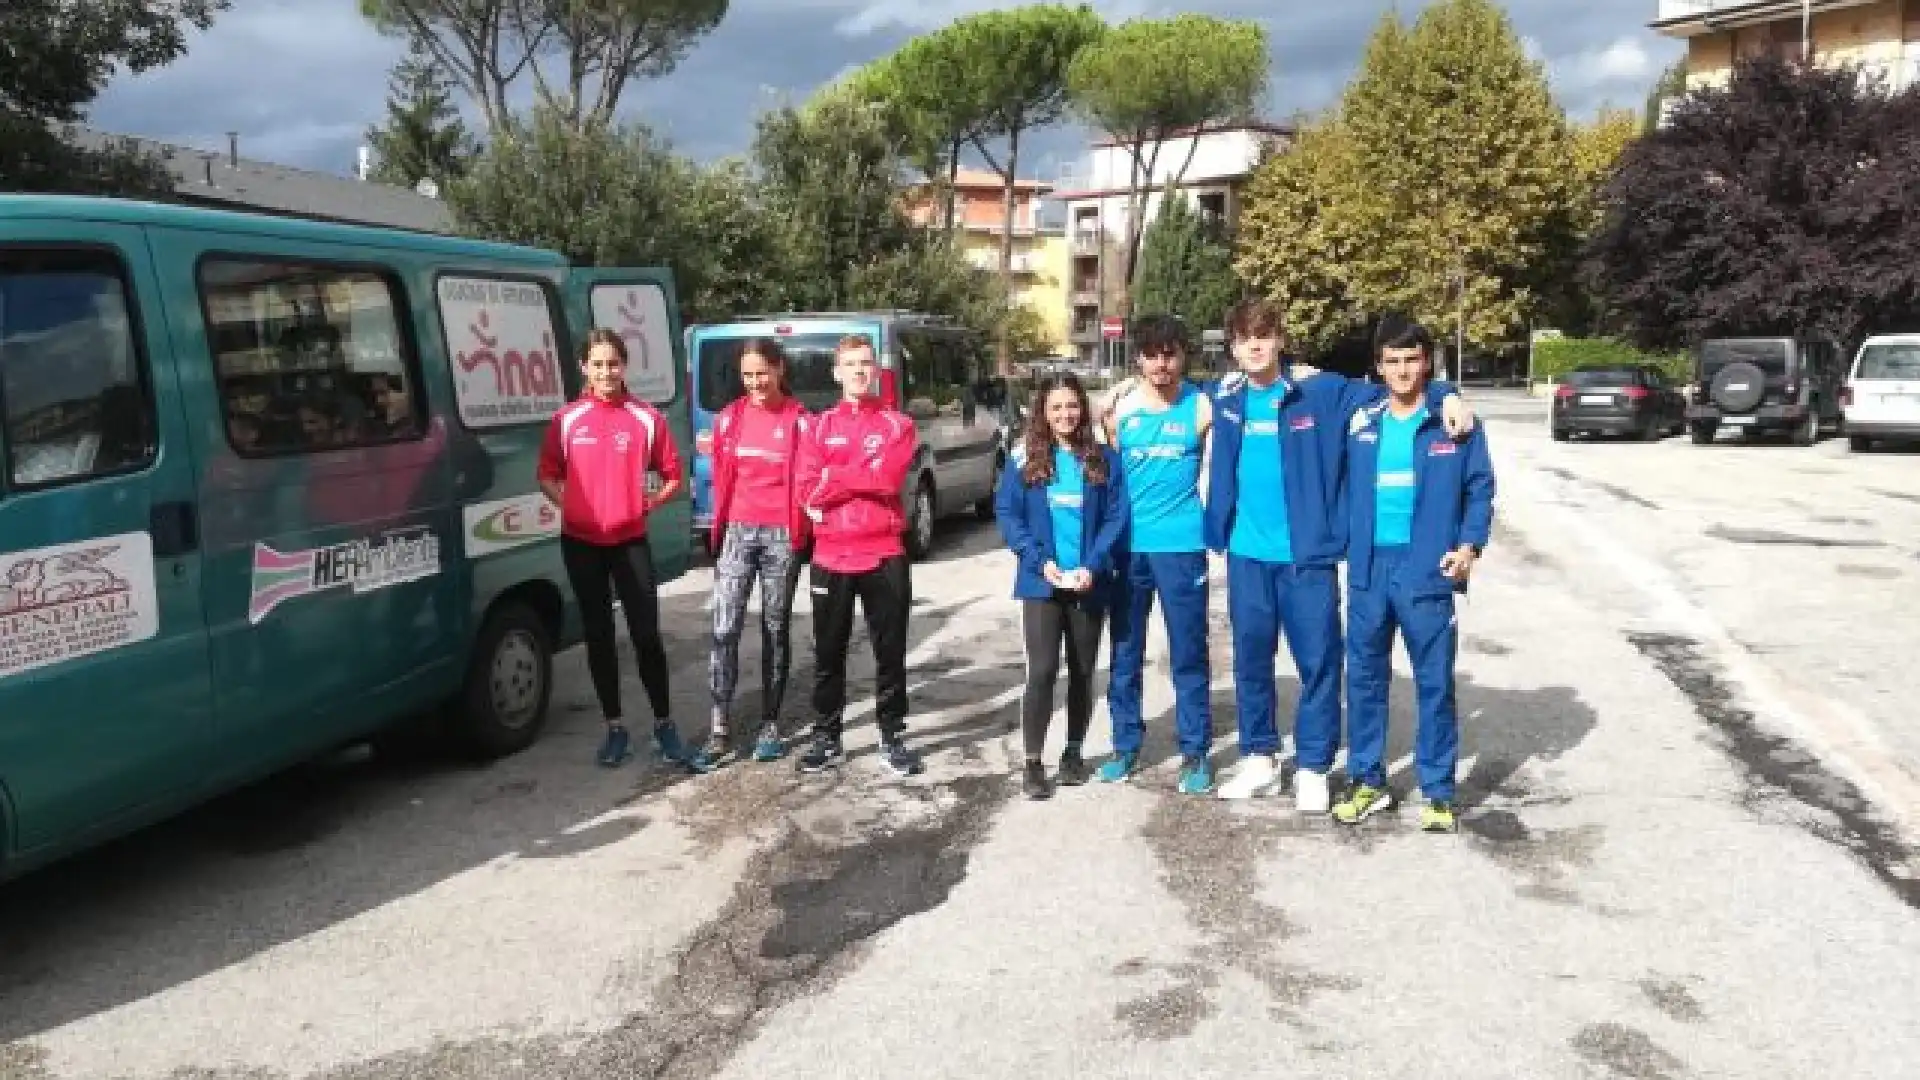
(73, 600)
(363, 565)
(505, 524)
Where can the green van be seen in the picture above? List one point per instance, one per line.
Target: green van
(267, 489)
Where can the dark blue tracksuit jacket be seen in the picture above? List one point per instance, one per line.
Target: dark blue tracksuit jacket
(1026, 523)
(1302, 597)
(1402, 588)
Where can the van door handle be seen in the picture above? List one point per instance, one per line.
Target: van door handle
(175, 528)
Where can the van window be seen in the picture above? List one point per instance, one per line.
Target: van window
(942, 366)
(809, 370)
(503, 350)
(638, 313)
(72, 379)
(309, 358)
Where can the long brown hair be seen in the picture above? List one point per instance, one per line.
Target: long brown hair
(774, 354)
(1038, 438)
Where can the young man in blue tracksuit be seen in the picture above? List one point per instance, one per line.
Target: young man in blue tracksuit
(1275, 506)
(1419, 512)
(1159, 428)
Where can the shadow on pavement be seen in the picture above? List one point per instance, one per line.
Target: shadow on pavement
(326, 842)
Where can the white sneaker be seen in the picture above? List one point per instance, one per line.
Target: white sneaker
(1310, 793)
(1254, 776)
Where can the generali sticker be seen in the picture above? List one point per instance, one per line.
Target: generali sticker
(73, 600)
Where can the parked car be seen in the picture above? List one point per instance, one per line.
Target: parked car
(1882, 395)
(1635, 400)
(267, 490)
(1767, 385)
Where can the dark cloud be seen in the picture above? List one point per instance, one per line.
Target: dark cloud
(300, 80)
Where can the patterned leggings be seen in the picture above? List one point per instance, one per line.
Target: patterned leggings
(749, 552)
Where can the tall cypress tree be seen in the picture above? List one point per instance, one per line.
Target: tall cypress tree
(1186, 268)
(424, 137)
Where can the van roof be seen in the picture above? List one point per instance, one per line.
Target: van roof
(134, 212)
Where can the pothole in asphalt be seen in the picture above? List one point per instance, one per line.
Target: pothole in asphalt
(1775, 765)
(1772, 538)
(1625, 1052)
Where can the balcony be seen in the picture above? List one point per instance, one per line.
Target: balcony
(1085, 243)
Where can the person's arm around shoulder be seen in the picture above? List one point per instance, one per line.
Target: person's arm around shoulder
(1455, 413)
(551, 472)
(663, 458)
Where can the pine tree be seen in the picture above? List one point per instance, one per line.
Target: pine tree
(424, 137)
(1186, 268)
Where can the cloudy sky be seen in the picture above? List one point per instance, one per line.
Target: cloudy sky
(301, 80)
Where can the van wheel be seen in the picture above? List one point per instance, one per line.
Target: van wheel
(509, 682)
(920, 521)
(1859, 444)
(1808, 433)
(1703, 434)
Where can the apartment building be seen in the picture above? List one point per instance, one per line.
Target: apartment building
(1218, 162)
(1882, 37)
(1039, 243)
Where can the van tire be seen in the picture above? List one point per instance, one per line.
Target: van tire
(920, 521)
(1859, 444)
(503, 706)
(984, 508)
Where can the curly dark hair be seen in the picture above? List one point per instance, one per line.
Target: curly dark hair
(1037, 440)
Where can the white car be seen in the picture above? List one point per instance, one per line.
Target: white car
(1882, 396)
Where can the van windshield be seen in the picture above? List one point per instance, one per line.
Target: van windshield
(809, 370)
(1890, 360)
(1768, 356)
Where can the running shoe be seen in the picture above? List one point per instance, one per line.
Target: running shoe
(1255, 775)
(1033, 781)
(616, 748)
(900, 758)
(1310, 792)
(1362, 803)
(823, 753)
(1073, 769)
(1437, 817)
(1196, 776)
(1119, 767)
(771, 746)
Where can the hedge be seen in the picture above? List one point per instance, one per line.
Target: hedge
(1555, 357)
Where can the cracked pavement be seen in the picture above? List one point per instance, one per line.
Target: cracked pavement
(1689, 823)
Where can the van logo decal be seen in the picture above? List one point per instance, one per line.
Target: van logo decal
(364, 565)
(504, 524)
(72, 600)
(501, 336)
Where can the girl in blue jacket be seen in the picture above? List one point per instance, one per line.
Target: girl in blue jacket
(1062, 508)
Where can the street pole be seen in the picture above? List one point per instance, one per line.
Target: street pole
(1806, 31)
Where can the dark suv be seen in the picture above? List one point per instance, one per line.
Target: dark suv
(1767, 384)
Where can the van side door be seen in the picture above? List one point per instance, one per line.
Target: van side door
(105, 684)
(640, 305)
(324, 486)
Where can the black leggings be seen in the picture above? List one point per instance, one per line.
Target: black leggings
(1044, 623)
(629, 569)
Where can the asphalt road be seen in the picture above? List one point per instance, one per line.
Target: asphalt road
(1688, 852)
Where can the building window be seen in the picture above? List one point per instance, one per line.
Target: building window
(309, 358)
(1213, 205)
(72, 378)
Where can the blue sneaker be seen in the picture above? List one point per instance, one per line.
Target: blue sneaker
(771, 746)
(1119, 767)
(1196, 776)
(616, 748)
(675, 752)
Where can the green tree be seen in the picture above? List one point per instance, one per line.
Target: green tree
(925, 95)
(1296, 236)
(424, 138)
(617, 196)
(594, 48)
(55, 58)
(1186, 267)
(1671, 84)
(1014, 65)
(1147, 82)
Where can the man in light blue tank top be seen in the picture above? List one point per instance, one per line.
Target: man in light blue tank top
(1160, 429)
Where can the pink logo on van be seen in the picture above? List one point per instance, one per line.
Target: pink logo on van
(515, 374)
(633, 328)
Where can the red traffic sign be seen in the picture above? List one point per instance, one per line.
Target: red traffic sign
(1113, 328)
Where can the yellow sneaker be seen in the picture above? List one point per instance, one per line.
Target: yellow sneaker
(1362, 803)
(1437, 817)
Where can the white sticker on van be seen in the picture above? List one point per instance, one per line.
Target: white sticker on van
(638, 313)
(505, 524)
(506, 368)
(363, 564)
(58, 603)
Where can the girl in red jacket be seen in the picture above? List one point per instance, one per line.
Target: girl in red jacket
(759, 533)
(594, 466)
